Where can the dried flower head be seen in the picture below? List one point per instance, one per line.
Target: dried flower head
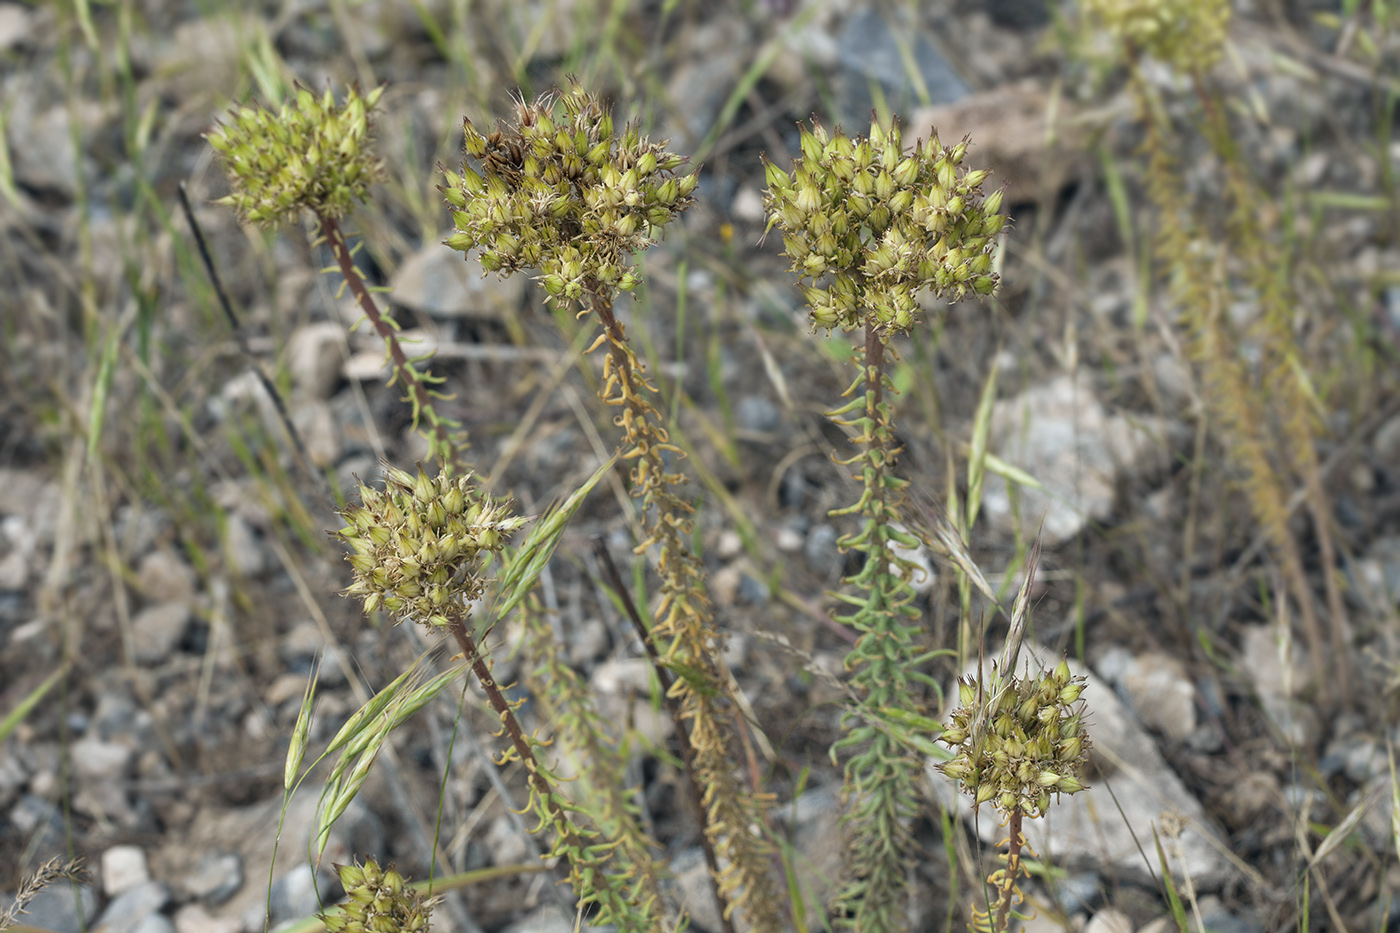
(1031, 743)
(869, 225)
(377, 901)
(561, 191)
(1186, 34)
(421, 544)
(310, 153)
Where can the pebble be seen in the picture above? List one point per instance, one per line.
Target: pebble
(132, 911)
(299, 893)
(1276, 684)
(696, 892)
(15, 22)
(821, 551)
(315, 356)
(157, 630)
(1157, 688)
(243, 547)
(1079, 893)
(217, 877)
(123, 868)
(442, 282)
(1109, 920)
(1061, 435)
(98, 759)
(162, 577)
(192, 918)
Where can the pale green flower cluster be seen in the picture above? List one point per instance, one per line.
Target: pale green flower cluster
(1186, 34)
(1022, 744)
(421, 543)
(377, 901)
(307, 154)
(562, 192)
(870, 225)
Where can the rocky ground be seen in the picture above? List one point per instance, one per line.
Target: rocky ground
(160, 552)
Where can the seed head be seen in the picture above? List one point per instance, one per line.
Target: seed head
(918, 223)
(1033, 748)
(422, 543)
(309, 153)
(562, 192)
(377, 900)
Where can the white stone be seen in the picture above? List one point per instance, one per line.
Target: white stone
(192, 918)
(1061, 435)
(157, 630)
(1109, 920)
(94, 758)
(1278, 670)
(123, 868)
(315, 355)
(1158, 689)
(445, 283)
(164, 577)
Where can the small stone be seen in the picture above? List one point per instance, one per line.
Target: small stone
(96, 759)
(1079, 893)
(587, 641)
(217, 878)
(192, 918)
(1386, 443)
(1060, 434)
(315, 424)
(299, 893)
(730, 544)
(1109, 920)
(757, 414)
(788, 540)
(547, 919)
(123, 868)
(1276, 682)
(243, 547)
(130, 911)
(821, 550)
(157, 630)
(163, 577)
(505, 843)
(697, 892)
(14, 571)
(748, 205)
(315, 356)
(444, 283)
(15, 23)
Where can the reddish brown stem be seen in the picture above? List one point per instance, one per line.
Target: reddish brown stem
(1013, 870)
(504, 710)
(409, 377)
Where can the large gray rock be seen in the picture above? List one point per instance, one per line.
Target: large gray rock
(1087, 828)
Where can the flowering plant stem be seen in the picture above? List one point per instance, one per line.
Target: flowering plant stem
(442, 444)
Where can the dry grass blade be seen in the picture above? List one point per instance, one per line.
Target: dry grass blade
(1344, 829)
